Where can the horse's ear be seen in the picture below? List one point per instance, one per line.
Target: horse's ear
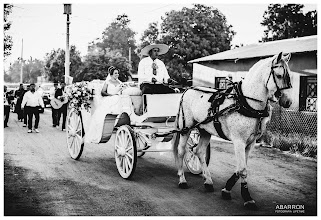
(277, 59)
(287, 57)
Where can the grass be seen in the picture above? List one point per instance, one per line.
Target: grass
(294, 142)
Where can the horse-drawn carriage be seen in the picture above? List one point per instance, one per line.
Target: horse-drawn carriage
(239, 114)
(135, 133)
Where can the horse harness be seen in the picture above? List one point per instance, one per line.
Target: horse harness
(241, 106)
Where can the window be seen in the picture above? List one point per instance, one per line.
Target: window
(221, 82)
(308, 93)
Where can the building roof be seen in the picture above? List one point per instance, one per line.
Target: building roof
(293, 45)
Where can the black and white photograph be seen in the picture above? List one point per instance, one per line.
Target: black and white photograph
(159, 108)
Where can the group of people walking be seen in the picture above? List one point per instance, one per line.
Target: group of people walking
(28, 104)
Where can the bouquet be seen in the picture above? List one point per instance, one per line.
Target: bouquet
(79, 96)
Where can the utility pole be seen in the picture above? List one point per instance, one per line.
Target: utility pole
(21, 73)
(130, 55)
(67, 10)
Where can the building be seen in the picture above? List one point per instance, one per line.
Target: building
(212, 70)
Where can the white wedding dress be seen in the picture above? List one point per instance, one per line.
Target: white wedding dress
(107, 105)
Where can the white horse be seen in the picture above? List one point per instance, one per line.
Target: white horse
(243, 118)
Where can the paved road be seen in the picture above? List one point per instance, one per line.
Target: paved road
(41, 179)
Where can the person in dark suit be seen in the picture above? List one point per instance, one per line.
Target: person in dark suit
(19, 95)
(61, 95)
(6, 107)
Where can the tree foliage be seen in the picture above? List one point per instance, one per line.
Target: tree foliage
(288, 21)
(96, 64)
(32, 68)
(150, 35)
(191, 33)
(55, 63)
(120, 38)
(6, 26)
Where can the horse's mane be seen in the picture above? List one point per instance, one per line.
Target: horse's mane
(259, 65)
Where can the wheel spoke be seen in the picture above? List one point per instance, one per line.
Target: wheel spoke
(129, 164)
(124, 165)
(121, 139)
(129, 148)
(129, 155)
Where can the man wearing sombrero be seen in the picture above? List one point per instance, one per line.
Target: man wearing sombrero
(152, 73)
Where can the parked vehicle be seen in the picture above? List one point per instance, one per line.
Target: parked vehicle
(44, 90)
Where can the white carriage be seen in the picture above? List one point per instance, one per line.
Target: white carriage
(154, 122)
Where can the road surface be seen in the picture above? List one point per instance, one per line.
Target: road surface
(42, 180)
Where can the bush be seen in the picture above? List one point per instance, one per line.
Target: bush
(295, 143)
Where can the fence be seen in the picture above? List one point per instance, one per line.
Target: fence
(292, 130)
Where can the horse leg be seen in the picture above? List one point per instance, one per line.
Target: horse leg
(241, 153)
(204, 140)
(180, 156)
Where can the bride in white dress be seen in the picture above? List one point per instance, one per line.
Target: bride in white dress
(109, 104)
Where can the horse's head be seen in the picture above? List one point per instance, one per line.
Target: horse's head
(278, 82)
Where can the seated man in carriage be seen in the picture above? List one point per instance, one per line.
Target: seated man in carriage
(152, 73)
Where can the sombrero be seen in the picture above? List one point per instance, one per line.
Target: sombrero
(163, 48)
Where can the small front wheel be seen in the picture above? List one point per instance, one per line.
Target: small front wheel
(125, 151)
(192, 161)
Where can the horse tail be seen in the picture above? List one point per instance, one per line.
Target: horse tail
(175, 142)
(177, 135)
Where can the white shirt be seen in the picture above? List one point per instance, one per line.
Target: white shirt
(32, 99)
(145, 71)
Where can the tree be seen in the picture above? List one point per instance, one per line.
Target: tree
(7, 24)
(150, 35)
(55, 63)
(120, 38)
(32, 68)
(288, 21)
(193, 33)
(96, 64)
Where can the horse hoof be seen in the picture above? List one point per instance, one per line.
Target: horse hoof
(226, 195)
(183, 185)
(250, 205)
(209, 187)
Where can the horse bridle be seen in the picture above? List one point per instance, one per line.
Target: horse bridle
(286, 80)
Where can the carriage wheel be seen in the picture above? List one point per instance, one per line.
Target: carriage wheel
(141, 144)
(192, 161)
(75, 133)
(125, 151)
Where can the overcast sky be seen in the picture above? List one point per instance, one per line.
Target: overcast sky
(42, 26)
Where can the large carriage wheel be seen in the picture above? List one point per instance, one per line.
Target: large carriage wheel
(192, 161)
(75, 134)
(125, 151)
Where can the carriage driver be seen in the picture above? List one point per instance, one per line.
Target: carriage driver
(152, 73)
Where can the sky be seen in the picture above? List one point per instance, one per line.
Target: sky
(42, 24)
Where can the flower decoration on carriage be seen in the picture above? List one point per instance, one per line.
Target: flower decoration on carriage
(79, 96)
